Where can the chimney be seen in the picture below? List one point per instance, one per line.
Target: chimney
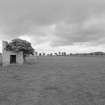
(4, 44)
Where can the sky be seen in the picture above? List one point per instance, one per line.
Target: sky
(55, 25)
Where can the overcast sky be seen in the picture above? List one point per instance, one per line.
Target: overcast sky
(53, 25)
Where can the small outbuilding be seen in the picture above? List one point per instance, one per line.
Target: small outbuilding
(11, 57)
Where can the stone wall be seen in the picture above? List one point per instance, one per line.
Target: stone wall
(6, 55)
(19, 58)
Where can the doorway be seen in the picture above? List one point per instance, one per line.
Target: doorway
(12, 59)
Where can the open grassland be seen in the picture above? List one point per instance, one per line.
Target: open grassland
(54, 81)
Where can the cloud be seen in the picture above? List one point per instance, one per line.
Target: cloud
(58, 22)
(90, 30)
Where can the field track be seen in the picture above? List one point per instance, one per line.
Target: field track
(54, 81)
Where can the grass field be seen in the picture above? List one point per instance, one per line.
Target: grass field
(54, 81)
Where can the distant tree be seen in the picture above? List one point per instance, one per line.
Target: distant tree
(36, 53)
(40, 54)
(59, 53)
(43, 54)
(71, 54)
(64, 53)
(18, 45)
(55, 54)
(51, 54)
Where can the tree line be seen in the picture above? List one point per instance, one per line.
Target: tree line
(70, 54)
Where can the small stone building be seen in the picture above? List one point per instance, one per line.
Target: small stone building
(11, 57)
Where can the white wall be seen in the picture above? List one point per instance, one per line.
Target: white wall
(6, 57)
